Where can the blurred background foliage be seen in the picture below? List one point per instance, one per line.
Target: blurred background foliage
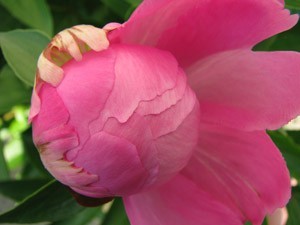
(28, 194)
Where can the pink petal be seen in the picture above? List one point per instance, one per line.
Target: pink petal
(141, 74)
(193, 29)
(248, 90)
(243, 170)
(116, 161)
(85, 89)
(52, 113)
(178, 202)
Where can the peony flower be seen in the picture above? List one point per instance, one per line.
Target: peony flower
(169, 111)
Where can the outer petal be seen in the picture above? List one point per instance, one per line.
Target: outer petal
(178, 202)
(192, 29)
(248, 90)
(243, 170)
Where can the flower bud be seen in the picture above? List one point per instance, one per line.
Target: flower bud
(111, 119)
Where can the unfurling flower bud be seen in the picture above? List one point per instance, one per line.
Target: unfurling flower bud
(111, 119)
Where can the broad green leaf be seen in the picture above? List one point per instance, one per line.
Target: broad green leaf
(116, 214)
(20, 189)
(34, 13)
(82, 218)
(21, 49)
(7, 21)
(294, 208)
(4, 173)
(53, 202)
(292, 4)
(12, 90)
(290, 151)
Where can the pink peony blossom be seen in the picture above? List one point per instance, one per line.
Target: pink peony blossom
(169, 111)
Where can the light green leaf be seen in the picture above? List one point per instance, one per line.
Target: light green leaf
(116, 214)
(12, 90)
(51, 203)
(21, 49)
(34, 13)
(20, 189)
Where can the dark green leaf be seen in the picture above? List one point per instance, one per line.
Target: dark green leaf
(116, 214)
(292, 4)
(21, 49)
(82, 218)
(32, 153)
(290, 151)
(294, 208)
(34, 13)
(20, 189)
(117, 6)
(295, 135)
(4, 173)
(285, 41)
(51, 203)
(134, 3)
(7, 21)
(248, 223)
(12, 90)
(265, 222)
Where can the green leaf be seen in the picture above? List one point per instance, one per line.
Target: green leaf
(51, 203)
(286, 41)
(7, 21)
(290, 151)
(34, 13)
(295, 135)
(116, 214)
(32, 153)
(118, 7)
(4, 173)
(12, 90)
(82, 218)
(20, 189)
(294, 208)
(21, 49)
(292, 4)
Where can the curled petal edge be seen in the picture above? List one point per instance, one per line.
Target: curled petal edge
(68, 44)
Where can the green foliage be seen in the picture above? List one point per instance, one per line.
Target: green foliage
(292, 4)
(84, 217)
(294, 208)
(20, 189)
(4, 173)
(35, 14)
(51, 203)
(285, 41)
(23, 178)
(12, 90)
(289, 149)
(116, 209)
(21, 49)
